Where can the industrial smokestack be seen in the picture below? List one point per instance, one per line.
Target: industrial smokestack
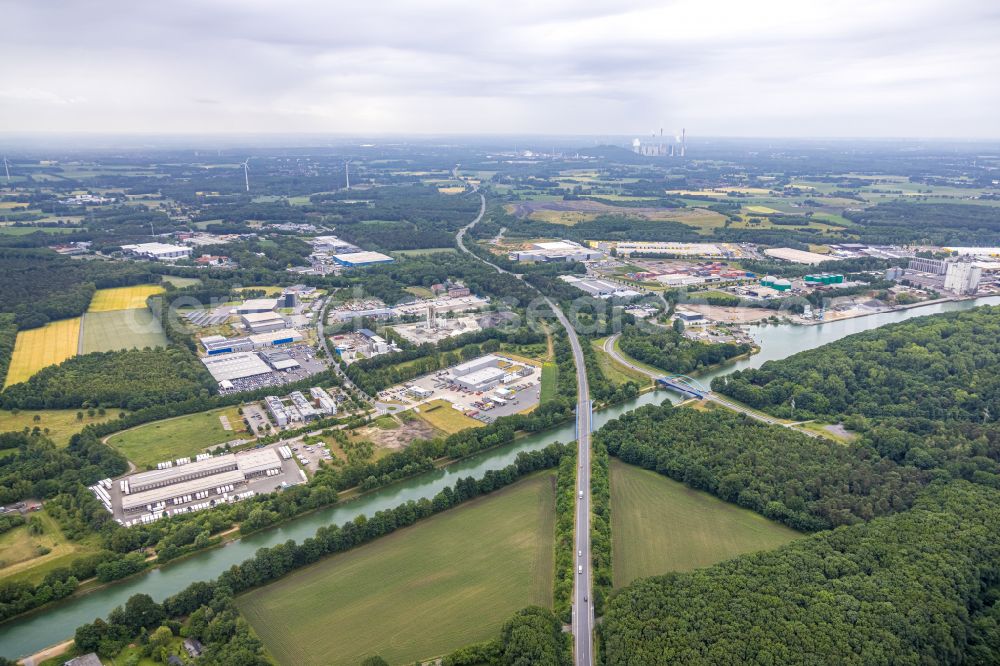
(683, 139)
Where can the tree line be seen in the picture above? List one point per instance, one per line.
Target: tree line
(916, 587)
(198, 607)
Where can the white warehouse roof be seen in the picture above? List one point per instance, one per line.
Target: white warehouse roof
(235, 366)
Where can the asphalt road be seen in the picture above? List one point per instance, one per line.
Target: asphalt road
(583, 613)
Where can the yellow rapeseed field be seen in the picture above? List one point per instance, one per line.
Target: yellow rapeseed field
(37, 348)
(123, 298)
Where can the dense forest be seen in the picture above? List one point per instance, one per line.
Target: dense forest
(131, 379)
(532, 636)
(42, 286)
(906, 222)
(915, 588)
(805, 482)
(672, 352)
(941, 367)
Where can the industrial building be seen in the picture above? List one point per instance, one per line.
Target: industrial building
(962, 277)
(798, 256)
(824, 279)
(158, 251)
(215, 475)
(362, 259)
(256, 305)
(599, 288)
(778, 284)
(261, 322)
(932, 266)
(323, 401)
(236, 365)
(556, 251)
(305, 409)
(277, 410)
(480, 380)
(280, 360)
(480, 374)
(216, 345)
(710, 250)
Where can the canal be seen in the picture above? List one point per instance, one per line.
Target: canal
(27, 635)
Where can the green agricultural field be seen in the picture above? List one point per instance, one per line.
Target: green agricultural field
(121, 329)
(424, 590)
(25, 231)
(60, 423)
(660, 525)
(182, 436)
(181, 282)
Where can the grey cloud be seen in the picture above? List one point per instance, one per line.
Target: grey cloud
(773, 67)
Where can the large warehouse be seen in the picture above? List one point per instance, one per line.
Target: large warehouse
(262, 322)
(158, 251)
(362, 258)
(237, 365)
(216, 475)
(479, 374)
(257, 305)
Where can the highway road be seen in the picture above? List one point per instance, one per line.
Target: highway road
(583, 613)
(320, 319)
(609, 348)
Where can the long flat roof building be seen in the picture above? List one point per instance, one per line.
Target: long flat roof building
(798, 256)
(172, 475)
(362, 258)
(257, 305)
(139, 501)
(237, 365)
(158, 251)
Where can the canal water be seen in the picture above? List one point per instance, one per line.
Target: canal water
(34, 632)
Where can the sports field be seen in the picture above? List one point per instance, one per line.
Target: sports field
(123, 298)
(38, 348)
(659, 525)
(178, 437)
(422, 591)
(121, 329)
(444, 417)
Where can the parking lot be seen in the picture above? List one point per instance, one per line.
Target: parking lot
(290, 475)
(256, 418)
(485, 406)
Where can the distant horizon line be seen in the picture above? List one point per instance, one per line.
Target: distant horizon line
(362, 135)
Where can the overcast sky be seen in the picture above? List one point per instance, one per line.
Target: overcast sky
(914, 68)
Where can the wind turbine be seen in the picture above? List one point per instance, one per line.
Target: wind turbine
(246, 172)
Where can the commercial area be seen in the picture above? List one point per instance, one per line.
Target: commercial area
(183, 485)
(365, 258)
(706, 250)
(298, 409)
(484, 388)
(250, 370)
(562, 250)
(798, 256)
(600, 288)
(157, 251)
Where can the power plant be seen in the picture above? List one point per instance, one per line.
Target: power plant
(659, 148)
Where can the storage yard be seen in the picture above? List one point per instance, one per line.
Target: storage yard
(484, 388)
(185, 485)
